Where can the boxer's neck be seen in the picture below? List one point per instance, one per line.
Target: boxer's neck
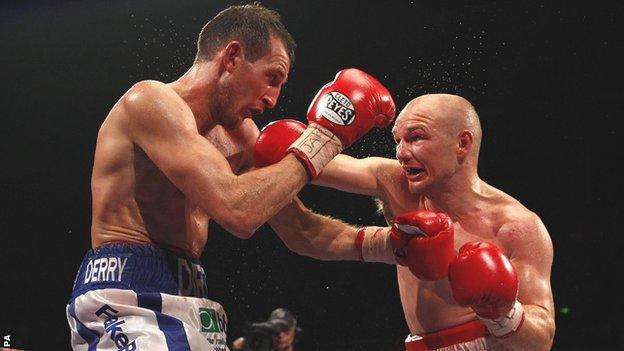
(195, 87)
(457, 198)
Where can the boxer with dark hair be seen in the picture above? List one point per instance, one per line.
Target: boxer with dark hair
(169, 158)
(473, 263)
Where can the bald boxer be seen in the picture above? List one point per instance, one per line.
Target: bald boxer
(168, 159)
(493, 292)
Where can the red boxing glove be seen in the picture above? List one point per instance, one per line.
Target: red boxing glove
(423, 241)
(483, 278)
(341, 112)
(274, 140)
(351, 105)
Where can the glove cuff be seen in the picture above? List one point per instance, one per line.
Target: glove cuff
(373, 245)
(315, 148)
(508, 324)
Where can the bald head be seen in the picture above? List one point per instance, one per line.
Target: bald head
(452, 113)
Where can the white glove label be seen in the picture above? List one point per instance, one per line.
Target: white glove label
(338, 109)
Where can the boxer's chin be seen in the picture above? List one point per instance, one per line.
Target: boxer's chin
(416, 186)
(233, 122)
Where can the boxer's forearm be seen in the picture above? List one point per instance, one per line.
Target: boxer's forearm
(254, 197)
(314, 235)
(536, 333)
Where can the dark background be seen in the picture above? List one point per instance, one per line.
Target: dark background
(545, 78)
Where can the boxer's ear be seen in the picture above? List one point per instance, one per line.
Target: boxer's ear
(465, 142)
(232, 55)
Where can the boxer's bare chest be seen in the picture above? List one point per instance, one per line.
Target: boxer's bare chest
(428, 305)
(471, 227)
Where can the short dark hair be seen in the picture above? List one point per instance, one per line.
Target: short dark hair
(252, 24)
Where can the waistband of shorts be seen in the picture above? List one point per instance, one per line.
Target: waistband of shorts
(139, 267)
(446, 337)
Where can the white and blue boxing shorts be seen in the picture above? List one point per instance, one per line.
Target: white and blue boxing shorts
(129, 297)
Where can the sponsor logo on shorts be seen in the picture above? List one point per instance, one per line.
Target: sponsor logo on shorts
(212, 321)
(112, 326)
(218, 341)
(337, 108)
(105, 269)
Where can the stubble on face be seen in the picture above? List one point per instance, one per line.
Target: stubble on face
(227, 100)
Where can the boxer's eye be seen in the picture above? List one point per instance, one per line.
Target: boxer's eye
(415, 137)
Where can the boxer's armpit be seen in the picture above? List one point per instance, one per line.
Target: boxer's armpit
(384, 209)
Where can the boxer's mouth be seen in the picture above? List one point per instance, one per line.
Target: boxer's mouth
(255, 111)
(412, 170)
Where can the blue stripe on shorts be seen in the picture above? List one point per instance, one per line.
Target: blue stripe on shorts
(90, 336)
(170, 326)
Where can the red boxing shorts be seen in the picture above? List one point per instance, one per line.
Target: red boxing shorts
(469, 336)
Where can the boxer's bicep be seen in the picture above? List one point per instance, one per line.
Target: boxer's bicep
(531, 253)
(346, 173)
(534, 288)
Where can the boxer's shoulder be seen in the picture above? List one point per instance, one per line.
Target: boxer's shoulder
(513, 215)
(151, 105)
(521, 232)
(388, 167)
(395, 187)
(389, 174)
(504, 209)
(143, 95)
(392, 187)
(146, 87)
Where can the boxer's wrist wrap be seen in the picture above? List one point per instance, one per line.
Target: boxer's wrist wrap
(315, 148)
(507, 324)
(373, 244)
